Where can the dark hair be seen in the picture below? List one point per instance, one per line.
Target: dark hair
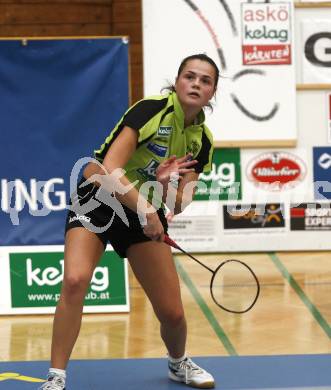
(202, 57)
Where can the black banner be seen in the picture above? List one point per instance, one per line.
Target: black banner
(311, 216)
(254, 216)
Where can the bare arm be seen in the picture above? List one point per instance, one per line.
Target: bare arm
(178, 199)
(116, 158)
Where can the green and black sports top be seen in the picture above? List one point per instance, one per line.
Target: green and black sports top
(159, 121)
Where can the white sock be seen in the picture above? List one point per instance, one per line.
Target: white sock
(57, 371)
(176, 360)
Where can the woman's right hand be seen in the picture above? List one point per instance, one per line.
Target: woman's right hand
(174, 167)
(154, 228)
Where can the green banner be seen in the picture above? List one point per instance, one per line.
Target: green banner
(36, 280)
(224, 181)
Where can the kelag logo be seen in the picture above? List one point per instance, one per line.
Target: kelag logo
(164, 131)
(224, 180)
(276, 171)
(266, 34)
(255, 216)
(322, 172)
(36, 280)
(149, 170)
(311, 216)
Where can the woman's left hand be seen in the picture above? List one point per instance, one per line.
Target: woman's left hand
(173, 168)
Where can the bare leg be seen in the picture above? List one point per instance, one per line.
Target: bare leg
(153, 266)
(83, 250)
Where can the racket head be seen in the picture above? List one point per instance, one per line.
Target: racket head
(234, 286)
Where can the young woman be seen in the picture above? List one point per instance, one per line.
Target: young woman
(159, 140)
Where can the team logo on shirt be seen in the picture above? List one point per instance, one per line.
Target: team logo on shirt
(164, 131)
(193, 148)
(149, 171)
(157, 149)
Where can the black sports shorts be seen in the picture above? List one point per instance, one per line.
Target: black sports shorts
(104, 221)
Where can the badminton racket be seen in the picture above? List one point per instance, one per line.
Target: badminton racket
(234, 287)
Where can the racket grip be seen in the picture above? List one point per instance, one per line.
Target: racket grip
(170, 242)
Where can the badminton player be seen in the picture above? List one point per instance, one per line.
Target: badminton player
(161, 141)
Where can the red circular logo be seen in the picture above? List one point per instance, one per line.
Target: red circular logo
(276, 171)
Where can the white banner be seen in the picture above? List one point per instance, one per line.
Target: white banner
(316, 61)
(266, 34)
(199, 233)
(253, 45)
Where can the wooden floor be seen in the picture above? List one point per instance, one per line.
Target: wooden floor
(292, 316)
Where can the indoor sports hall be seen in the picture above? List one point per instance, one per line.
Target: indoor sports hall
(252, 249)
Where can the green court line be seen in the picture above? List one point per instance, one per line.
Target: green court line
(206, 311)
(311, 307)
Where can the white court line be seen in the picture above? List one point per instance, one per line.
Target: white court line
(293, 388)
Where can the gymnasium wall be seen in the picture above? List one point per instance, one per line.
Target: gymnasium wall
(204, 226)
(74, 18)
(119, 17)
(273, 192)
(39, 269)
(59, 98)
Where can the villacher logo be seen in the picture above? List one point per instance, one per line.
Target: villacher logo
(276, 171)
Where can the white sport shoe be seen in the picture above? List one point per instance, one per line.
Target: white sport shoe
(54, 382)
(191, 374)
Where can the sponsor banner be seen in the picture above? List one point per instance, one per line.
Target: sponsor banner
(36, 278)
(63, 126)
(322, 172)
(276, 171)
(266, 33)
(253, 216)
(224, 180)
(195, 232)
(316, 39)
(254, 103)
(311, 216)
(329, 116)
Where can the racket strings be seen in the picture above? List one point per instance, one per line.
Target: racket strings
(234, 287)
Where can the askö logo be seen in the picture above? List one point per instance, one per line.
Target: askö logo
(276, 171)
(266, 34)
